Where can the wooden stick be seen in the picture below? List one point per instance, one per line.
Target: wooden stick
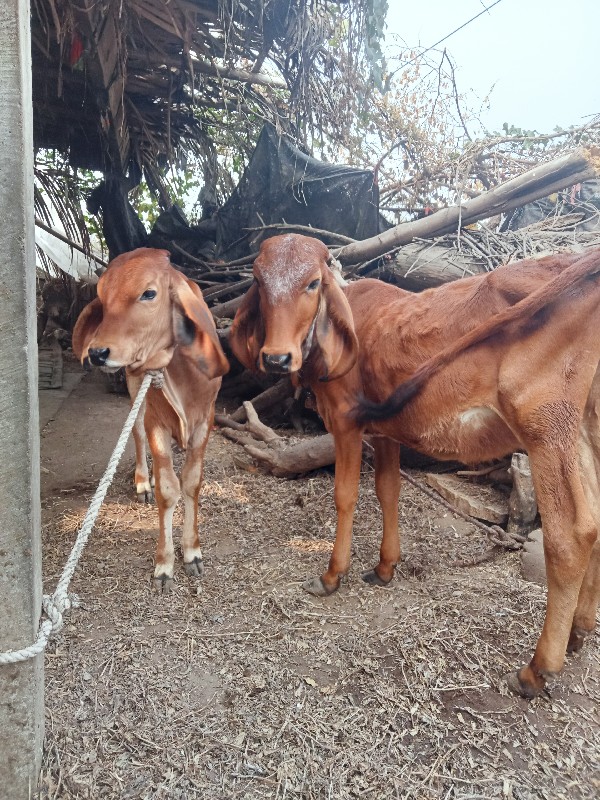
(284, 226)
(271, 396)
(227, 310)
(72, 244)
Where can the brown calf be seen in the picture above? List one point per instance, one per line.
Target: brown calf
(504, 361)
(148, 316)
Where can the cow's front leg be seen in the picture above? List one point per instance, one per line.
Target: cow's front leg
(191, 482)
(144, 487)
(348, 453)
(167, 495)
(387, 488)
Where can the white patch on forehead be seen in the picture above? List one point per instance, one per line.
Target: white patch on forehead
(287, 272)
(282, 283)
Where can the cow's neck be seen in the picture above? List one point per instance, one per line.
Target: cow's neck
(310, 349)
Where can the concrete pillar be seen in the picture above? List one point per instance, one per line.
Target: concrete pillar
(21, 685)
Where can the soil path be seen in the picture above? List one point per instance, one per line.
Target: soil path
(243, 686)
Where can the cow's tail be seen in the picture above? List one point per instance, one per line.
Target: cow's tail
(586, 267)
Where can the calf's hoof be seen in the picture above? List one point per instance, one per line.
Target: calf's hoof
(526, 683)
(162, 583)
(195, 568)
(372, 578)
(316, 587)
(577, 638)
(144, 491)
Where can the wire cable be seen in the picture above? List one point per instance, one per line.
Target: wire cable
(456, 30)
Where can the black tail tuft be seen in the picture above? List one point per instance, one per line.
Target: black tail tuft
(368, 411)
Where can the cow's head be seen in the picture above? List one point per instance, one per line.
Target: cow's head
(295, 312)
(144, 310)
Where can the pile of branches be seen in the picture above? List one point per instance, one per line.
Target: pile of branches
(449, 244)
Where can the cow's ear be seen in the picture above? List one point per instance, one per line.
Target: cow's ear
(247, 331)
(194, 328)
(85, 328)
(334, 331)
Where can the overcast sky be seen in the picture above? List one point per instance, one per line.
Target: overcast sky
(542, 55)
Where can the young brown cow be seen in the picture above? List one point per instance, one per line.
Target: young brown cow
(148, 316)
(504, 361)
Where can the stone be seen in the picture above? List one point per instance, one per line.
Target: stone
(533, 566)
(481, 502)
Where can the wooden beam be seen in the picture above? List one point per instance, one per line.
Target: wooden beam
(538, 182)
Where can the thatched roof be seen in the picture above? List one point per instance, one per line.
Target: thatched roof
(116, 81)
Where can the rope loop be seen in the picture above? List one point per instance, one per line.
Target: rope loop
(56, 604)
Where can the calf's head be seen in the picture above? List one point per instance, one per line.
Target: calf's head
(144, 309)
(295, 312)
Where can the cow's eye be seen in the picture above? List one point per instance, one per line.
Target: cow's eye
(313, 285)
(149, 294)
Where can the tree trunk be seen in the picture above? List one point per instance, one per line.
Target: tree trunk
(288, 462)
(421, 265)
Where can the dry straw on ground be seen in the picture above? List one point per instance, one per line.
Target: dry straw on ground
(245, 686)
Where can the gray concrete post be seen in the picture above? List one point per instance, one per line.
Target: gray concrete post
(21, 685)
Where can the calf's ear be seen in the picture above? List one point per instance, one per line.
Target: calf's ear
(334, 331)
(247, 331)
(86, 326)
(194, 328)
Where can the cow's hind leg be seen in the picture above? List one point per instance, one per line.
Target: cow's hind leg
(584, 619)
(191, 481)
(569, 536)
(387, 488)
(348, 453)
(167, 495)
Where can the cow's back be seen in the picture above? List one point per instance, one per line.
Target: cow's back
(399, 330)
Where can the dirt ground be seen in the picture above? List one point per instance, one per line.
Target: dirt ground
(245, 686)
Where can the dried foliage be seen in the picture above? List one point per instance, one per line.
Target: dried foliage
(419, 137)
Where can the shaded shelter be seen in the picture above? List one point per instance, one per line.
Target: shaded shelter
(132, 87)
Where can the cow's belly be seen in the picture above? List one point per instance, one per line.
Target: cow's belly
(471, 436)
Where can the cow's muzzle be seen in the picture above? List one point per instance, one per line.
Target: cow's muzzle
(98, 355)
(279, 363)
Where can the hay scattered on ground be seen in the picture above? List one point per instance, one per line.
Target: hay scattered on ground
(245, 686)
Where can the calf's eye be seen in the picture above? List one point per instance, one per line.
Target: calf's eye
(313, 285)
(149, 294)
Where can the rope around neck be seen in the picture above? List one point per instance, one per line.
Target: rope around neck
(55, 605)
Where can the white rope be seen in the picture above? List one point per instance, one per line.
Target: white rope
(55, 605)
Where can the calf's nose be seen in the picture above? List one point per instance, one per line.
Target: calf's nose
(280, 362)
(98, 355)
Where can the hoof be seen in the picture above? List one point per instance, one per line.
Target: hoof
(317, 588)
(526, 690)
(195, 568)
(145, 497)
(373, 579)
(577, 639)
(162, 583)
